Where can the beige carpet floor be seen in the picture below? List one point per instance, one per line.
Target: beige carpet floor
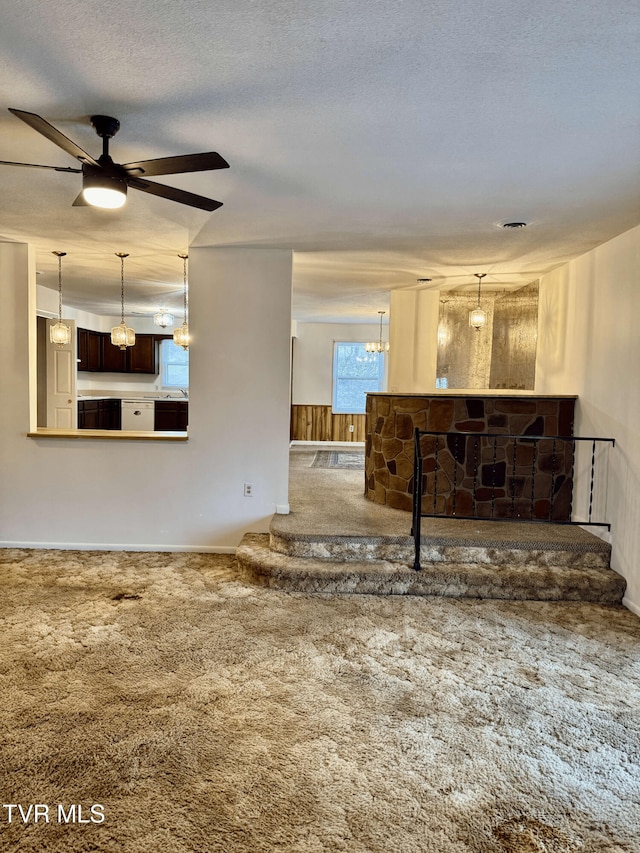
(206, 715)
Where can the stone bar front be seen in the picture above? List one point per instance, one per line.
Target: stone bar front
(500, 472)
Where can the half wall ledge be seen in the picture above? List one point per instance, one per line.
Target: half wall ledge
(108, 434)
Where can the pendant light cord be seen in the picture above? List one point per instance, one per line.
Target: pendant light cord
(59, 288)
(60, 256)
(184, 283)
(122, 256)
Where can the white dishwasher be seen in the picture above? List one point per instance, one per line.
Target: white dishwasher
(138, 415)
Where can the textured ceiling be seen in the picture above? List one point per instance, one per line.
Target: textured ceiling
(382, 141)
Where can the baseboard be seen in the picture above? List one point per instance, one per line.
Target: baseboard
(300, 442)
(630, 605)
(100, 546)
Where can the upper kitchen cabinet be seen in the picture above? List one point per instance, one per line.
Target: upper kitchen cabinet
(97, 353)
(143, 357)
(89, 350)
(114, 359)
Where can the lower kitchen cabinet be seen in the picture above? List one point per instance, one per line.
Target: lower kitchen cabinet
(111, 414)
(171, 415)
(99, 414)
(88, 414)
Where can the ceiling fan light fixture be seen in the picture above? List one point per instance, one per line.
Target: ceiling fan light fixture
(100, 190)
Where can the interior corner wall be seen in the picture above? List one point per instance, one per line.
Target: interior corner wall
(161, 495)
(413, 335)
(588, 344)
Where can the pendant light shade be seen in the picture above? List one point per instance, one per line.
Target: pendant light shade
(478, 317)
(60, 333)
(181, 335)
(378, 346)
(122, 336)
(163, 318)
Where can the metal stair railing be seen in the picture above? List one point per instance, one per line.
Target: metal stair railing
(501, 480)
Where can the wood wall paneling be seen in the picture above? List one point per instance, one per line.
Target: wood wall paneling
(318, 423)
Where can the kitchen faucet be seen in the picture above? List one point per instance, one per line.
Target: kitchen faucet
(185, 392)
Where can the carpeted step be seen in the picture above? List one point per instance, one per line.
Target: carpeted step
(261, 565)
(489, 543)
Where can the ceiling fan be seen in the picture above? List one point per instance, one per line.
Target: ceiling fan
(105, 183)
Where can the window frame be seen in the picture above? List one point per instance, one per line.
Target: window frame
(379, 357)
(164, 363)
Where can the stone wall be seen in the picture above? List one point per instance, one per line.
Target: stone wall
(471, 475)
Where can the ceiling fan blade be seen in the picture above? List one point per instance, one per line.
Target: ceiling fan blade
(174, 194)
(54, 135)
(177, 165)
(38, 166)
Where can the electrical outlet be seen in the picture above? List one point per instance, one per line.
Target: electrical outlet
(351, 428)
(248, 490)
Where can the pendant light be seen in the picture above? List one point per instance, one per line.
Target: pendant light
(181, 334)
(60, 333)
(122, 336)
(378, 346)
(163, 318)
(478, 317)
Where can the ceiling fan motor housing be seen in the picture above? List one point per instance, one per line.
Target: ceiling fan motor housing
(105, 126)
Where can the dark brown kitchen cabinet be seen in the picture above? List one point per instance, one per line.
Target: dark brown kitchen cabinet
(89, 350)
(83, 349)
(88, 414)
(114, 359)
(97, 353)
(99, 414)
(110, 414)
(143, 357)
(171, 415)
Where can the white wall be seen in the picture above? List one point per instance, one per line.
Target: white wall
(160, 495)
(313, 357)
(414, 341)
(589, 344)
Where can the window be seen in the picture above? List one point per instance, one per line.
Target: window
(174, 365)
(355, 371)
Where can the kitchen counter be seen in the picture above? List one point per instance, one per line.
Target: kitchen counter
(131, 396)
